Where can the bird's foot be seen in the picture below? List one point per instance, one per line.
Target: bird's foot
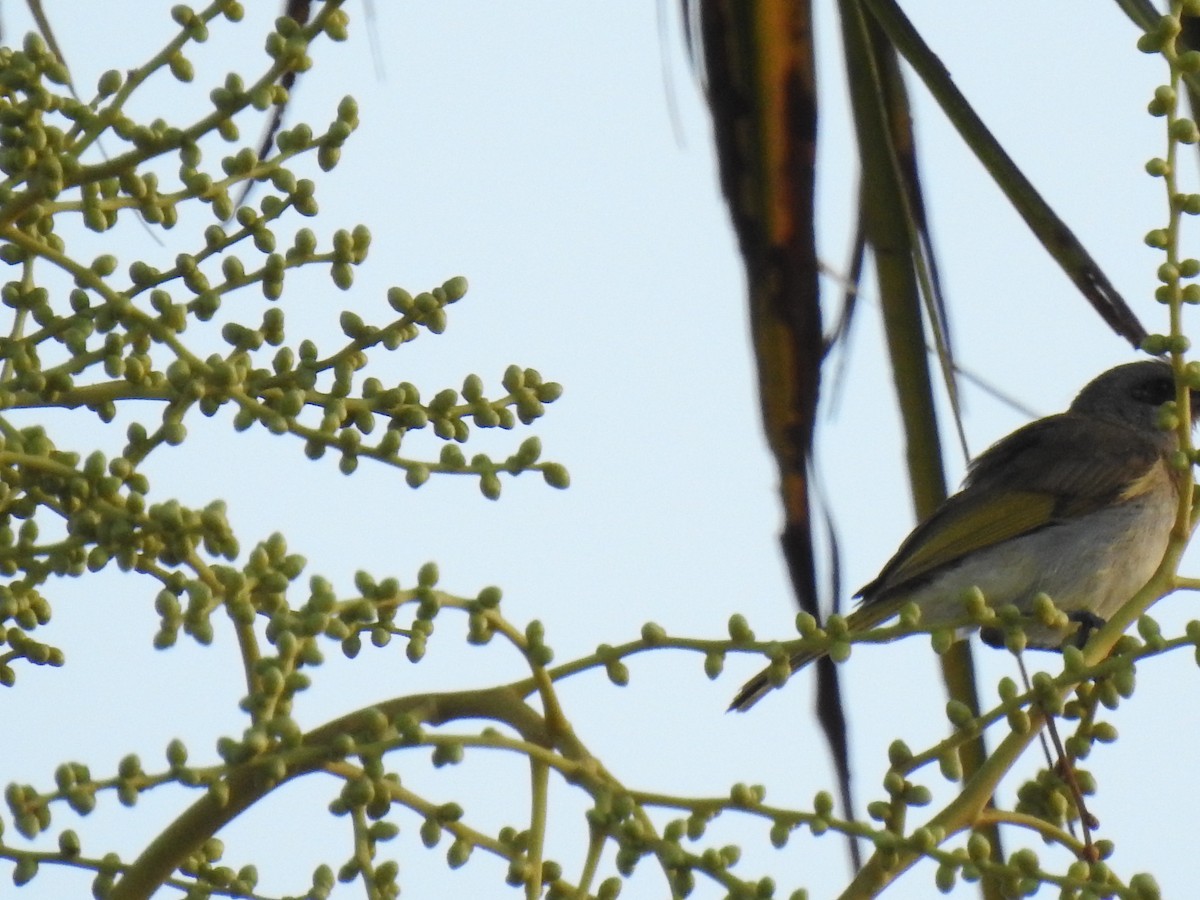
(1088, 623)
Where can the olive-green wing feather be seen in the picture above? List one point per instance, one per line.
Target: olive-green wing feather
(1048, 472)
(1083, 462)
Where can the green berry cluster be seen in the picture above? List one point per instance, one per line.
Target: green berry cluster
(161, 344)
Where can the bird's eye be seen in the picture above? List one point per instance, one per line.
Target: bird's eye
(1155, 392)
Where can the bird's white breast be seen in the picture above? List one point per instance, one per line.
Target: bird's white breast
(1095, 563)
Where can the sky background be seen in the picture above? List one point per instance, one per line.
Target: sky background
(530, 147)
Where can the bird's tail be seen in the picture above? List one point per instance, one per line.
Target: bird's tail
(760, 685)
(866, 616)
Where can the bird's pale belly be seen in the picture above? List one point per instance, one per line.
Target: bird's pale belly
(1093, 564)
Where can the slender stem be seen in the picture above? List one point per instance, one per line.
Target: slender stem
(539, 799)
(1049, 833)
(591, 862)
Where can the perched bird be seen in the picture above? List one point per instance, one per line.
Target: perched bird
(1078, 505)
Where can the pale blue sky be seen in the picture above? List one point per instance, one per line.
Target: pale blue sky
(528, 146)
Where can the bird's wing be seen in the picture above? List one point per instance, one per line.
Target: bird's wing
(1048, 472)
(1082, 462)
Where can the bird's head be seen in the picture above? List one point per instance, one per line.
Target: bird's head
(1132, 394)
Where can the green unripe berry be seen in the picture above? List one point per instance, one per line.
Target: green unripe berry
(1184, 131)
